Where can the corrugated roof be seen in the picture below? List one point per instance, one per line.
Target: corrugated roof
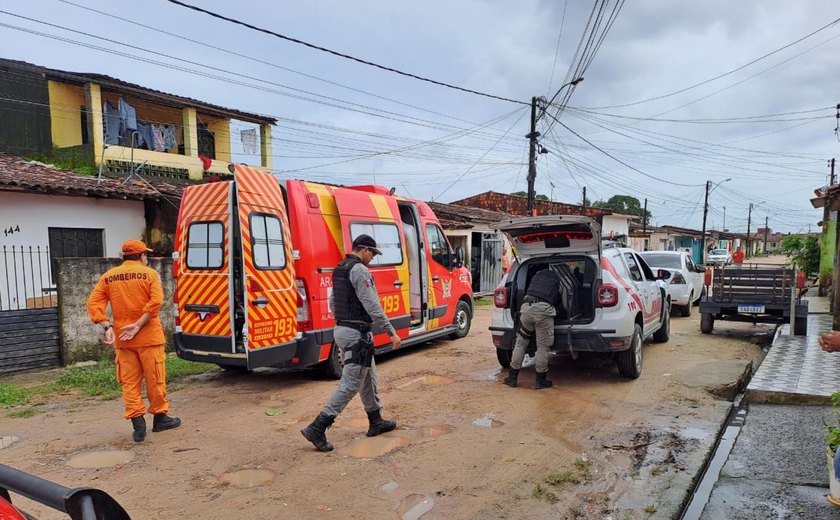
(466, 214)
(118, 86)
(20, 175)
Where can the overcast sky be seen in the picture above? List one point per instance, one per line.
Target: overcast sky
(349, 123)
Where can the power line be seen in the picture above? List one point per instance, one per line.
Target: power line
(824, 27)
(342, 55)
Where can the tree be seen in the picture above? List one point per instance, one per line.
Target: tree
(623, 204)
(804, 252)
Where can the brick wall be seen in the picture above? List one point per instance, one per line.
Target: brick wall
(516, 205)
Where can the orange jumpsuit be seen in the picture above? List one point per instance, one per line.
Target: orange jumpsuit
(133, 290)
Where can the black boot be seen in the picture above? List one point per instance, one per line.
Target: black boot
(510, 380)
(378, 424)
(164, 422)
(542, 382)
(139, 424)
(316, 432)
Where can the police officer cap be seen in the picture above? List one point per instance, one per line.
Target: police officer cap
(366, 241)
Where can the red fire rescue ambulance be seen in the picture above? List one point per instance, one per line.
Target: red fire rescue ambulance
(254, 262)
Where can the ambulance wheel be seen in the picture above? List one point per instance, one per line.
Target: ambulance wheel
(233, 369)
(334, 365)
(463, 319)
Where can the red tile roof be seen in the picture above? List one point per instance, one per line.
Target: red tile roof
(17, 174)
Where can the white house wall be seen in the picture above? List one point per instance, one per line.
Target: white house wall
(614, 226)
(25, 219)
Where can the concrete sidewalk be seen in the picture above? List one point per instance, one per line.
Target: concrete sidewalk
(777, 468)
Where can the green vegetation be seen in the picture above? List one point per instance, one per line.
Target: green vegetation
(98, 381)
(12, 395)
(575, 512)
(584, 467)
(624, 204)
(483, 302)
(23, 413)
(833, 437)
(650, 508)
(556, 479)
(76, 159)
(804, 251)
(544, 494)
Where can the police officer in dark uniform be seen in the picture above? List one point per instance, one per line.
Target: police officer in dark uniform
(355, 304)
(536, 317)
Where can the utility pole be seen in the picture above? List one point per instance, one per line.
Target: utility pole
(833, 180)
(724, 218)
(705, 213)
(766, 229)
(583, 205)
(532, 156)
(644, 226)
(749, 221)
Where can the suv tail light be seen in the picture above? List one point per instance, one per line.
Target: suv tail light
(500, 297)
(607, 295)
(302, 305)
(678, 279)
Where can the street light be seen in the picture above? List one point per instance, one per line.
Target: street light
(572, 83)
(705, 214)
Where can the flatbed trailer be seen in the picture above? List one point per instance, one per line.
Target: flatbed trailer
(755, 294)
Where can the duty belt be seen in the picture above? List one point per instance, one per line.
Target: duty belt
(356, 325)
(532, 299)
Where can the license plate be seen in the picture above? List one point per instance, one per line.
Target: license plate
(751, 309)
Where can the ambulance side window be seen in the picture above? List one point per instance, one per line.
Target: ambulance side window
(205, 245)
(387, 237)
(438, 245)
(267, 242)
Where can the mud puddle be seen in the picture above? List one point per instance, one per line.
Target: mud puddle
(427, 380)
(415, 506)
(389, 487)
(100, 459)
(488, 422)
(370, 447)
(249, 478)
(8, 440)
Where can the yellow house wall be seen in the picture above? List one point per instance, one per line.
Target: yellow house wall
(221, 130)
(66, 102)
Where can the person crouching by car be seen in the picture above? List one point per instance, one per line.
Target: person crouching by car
(536, 318)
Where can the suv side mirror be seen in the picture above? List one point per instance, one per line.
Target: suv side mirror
(663, 274)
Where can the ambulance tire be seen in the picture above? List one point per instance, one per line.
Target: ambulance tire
(463, 319)
(233, 369)
(334, 365)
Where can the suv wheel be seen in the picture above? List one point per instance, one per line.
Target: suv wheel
(664, 333)
(630, 360)
(504, 356)
(685, 310)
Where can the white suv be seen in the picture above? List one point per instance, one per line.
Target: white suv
(613, 301)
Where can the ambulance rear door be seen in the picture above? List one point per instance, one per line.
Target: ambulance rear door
(367, 213)
(202, 269)
(270, 294)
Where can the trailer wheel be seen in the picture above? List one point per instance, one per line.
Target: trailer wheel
(334, 364)
(463, 319)
(504, 356)
(630, 360)
(707, 322)
(800, 326)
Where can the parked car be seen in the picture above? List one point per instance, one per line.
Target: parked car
(685, 285)
(719, 257)
(613, 301)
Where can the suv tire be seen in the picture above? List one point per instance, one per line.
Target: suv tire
(504, 356)
(630, 360)
(685, 310)
(664, 333)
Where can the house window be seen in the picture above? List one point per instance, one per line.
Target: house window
(267, 245)
(205, 245)
(387, 237)
(206, 142)
(85, 138)
(73, 242)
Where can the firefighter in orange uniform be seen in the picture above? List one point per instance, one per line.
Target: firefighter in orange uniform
(135, 293)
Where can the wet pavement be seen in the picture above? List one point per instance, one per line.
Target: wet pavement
(777, 468)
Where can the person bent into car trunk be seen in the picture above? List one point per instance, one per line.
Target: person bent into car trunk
(536, 318)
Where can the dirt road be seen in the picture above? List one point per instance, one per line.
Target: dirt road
(466, 446)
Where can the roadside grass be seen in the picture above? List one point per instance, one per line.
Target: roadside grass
(555, 479)
(13, 395)
(483, 302)
(97, 381)
(582, 472)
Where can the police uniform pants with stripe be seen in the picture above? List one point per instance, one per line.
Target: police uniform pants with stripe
(355, 378)
(138, 363)
(534, 319)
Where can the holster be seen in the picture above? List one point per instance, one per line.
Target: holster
(361, 352)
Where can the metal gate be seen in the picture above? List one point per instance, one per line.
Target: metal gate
(29, 331)
(491, 262)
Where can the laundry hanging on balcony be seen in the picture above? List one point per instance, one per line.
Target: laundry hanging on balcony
(249, 140)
